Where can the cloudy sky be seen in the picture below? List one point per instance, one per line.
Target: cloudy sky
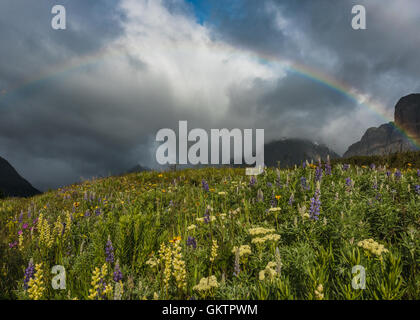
(88, 100)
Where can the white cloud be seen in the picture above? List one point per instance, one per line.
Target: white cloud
(199, 70)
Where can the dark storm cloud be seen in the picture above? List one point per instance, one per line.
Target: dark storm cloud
(381, 61)
(319, 34)
(36, 123)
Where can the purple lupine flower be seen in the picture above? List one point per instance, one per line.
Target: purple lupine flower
(373, 166)
(348, 182)
(98, 212)
(328, 167)
(205, 185)
(318, 172)
(314, 210)
(418, 173)
(13, 244)
(64, 228)
(101, 289)
(388, 173)
(29, 273)
(29, 212)
(304, 165)
(378, 197)
(252, 181)
(117, 273)
(346, 167)
(236, 267)
(207, 216)
(109, 251)
(269, 184)
(20, 216)
(291, 200)
(303, 184)
(375, 186)
(191, 242)
(87, 213)
(417, 188)
(397, 174)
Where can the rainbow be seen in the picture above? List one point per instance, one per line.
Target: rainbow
(302, 70)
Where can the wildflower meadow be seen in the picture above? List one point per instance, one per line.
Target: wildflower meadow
(215, 233)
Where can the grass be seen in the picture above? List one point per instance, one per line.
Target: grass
(216, 234)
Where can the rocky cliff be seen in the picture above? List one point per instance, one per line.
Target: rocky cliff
(392, 137)
(12, 184)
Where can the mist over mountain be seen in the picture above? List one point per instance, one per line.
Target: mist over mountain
(295, 151)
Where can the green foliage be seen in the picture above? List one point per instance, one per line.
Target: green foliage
(394, 160)
(292, 255)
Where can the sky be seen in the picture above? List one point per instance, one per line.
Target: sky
(88, 101)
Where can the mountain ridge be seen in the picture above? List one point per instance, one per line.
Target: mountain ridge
(12, 184)
(399, 136)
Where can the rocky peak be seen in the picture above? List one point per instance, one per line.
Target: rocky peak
(12, 184)
(388, 138)
(407, 115)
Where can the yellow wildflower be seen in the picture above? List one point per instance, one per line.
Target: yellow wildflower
(319, 292)
(214, 248)
(36, 285)
(21, 241)
(99, 275)
(179, 273)
(165, 256)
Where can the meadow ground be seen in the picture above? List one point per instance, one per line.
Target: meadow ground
(218, 234)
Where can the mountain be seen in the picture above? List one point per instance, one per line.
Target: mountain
(295, 151)
(388, 138)
(12, 184)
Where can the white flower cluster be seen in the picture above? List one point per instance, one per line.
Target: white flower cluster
(206, 284)
(269, 271)
(372, 246)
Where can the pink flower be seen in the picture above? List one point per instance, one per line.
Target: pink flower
(20, 232)
(25, 226)
(13, 244)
